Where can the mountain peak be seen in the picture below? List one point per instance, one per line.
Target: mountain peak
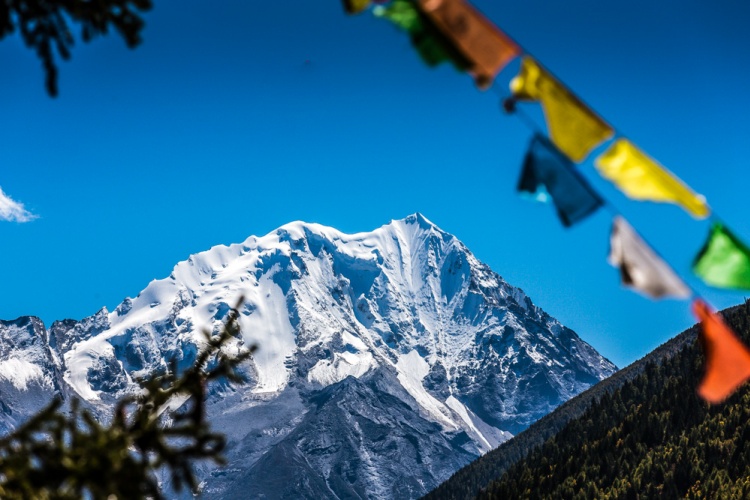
(294, 231)
(462, 352)
(420, 220)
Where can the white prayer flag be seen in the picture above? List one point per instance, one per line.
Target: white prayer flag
(640, 267)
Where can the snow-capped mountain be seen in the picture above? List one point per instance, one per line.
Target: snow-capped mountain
(387, 359)
(29, 376)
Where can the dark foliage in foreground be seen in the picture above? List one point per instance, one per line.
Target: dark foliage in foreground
(44, 25)
(469, 480)
(651, 438)
(67, 455)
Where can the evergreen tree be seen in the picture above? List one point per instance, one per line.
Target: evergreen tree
(44, 25)
(643, 431)
(67, 455)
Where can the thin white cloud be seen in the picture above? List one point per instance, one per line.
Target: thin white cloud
(12, 211)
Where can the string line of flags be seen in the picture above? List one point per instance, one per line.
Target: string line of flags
(454, 31)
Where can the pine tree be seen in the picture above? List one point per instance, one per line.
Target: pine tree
(67, 455)
(44, 25)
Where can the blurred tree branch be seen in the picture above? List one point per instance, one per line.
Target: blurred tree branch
(67, 456)
(44, 25)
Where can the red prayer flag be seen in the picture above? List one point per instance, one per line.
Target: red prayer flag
(727, 358)
(486, 47)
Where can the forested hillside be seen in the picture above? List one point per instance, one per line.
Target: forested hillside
(468, 481)
(636, 393)
(653, 437)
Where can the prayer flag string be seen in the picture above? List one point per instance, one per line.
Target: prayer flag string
(454, 31)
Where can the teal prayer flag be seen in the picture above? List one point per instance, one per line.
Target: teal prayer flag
(546, 168)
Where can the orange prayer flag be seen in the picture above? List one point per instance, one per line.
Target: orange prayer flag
(486, 47)
(727, 358)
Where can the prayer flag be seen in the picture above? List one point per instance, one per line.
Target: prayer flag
(641, 178)
(546, 168)
(640, 267)
(430, 43)
(727, 358)
(724, 261)
(573, 127)
(355, 6)
(486, 47)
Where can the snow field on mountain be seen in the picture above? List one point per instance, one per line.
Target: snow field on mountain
(392, 355)
(20, 372)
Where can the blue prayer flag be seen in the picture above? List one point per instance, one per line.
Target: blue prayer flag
(546, 168)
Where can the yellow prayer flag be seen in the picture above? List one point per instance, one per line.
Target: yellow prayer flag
(641, 178)
(486, 47)
(573, 127)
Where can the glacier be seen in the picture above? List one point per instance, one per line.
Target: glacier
(387, 359)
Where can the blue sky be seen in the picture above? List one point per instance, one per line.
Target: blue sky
(236, 117)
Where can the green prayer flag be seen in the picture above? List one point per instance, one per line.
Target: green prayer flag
(402, 13)
(724, 261)
(431, 45)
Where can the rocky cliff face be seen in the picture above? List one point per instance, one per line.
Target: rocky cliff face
(29, 371)
(387, 359)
